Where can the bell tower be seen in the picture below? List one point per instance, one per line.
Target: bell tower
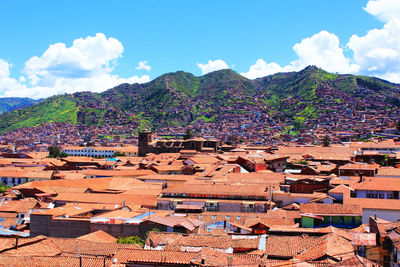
(144, 141)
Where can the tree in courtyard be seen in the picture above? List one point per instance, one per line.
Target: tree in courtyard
(188, 134)
(54, 152)
(326, 141)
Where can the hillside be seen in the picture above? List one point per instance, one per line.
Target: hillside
(180, 98)
(11, 103)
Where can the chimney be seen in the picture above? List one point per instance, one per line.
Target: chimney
(16, 242)
(375, 217)
(224, 224)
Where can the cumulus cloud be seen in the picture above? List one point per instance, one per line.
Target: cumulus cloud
(321, 49)
(143, 65)
(384, 10)
(378, 52)
(86, 65)
(6, 82)
(261, 69)
(217, 64)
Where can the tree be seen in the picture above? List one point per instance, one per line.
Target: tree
(54, 152)
(326, 141)
(4, 187)
(188, 134)
(135, 239)
(118, 154)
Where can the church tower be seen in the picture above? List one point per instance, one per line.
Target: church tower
(144, 141)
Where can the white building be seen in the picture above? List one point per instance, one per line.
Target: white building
(100, 152)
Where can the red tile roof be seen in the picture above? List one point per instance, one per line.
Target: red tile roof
(330, 209)
(98, 236)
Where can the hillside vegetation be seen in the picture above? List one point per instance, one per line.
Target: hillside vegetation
(181, 98)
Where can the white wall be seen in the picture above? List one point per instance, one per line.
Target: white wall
(389, 215)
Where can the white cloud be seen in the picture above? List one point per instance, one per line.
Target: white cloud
(87, 65)
(6, 82)
(261, 69)
(217, 64)
(378, 52)
(384, 10)
(143, 65)
(321, 49)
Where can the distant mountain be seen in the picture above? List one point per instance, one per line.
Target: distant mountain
(181, 98)
(10, 103)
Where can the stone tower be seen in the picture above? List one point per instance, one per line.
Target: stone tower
(144, 141)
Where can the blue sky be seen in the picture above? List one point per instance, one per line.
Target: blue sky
(52, 47)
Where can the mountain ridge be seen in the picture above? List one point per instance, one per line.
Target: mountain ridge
(181, 98)
(11, 103)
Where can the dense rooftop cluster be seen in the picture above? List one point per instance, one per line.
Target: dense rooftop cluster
(240, 206)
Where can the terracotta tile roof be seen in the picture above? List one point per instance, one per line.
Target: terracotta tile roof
(253, 176)
(154, 256)
(69, 209)
(173, 177)
(377, 183)
(218, 189)
(64, 261)
(111, 173)
(19, 206)
(340, 189)
(7, 243)
(98, 236)
(167, 168)
(356, 261)
(8, 222)
(332, 245)
(179, 242)
(330, 209)
(235, 217)
(383, 144)
(269, 221)
(204, 160)
(363, 239)
(71, 246)
(210, 257)
(388, 171)
(359, 166)
(373, 203)
(173, 221)
(288, 246)
(281, 213)
(80, 183)
(41, 248)
(147, 200)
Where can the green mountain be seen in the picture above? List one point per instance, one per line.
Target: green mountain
(180, 98)
(10, 103)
